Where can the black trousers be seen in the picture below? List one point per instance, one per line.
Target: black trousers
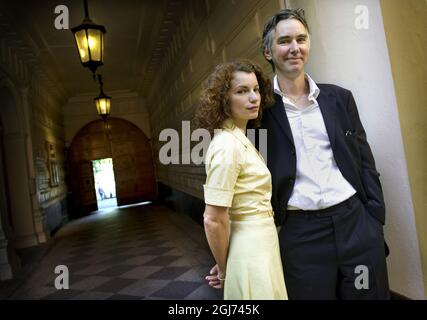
(335, 253)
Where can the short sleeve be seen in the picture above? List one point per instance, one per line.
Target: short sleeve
(222, 170)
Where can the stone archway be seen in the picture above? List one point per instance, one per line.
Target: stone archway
(131, 152)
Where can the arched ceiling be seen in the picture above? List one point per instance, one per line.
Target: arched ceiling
(138, 34)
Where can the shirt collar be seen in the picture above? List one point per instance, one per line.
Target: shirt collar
(314, 89)
(229, 125)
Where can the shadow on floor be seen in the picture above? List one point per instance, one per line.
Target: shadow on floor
(140, 252)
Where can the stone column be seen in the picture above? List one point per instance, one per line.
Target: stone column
(9, 262)
(20, 200)
(42, 233)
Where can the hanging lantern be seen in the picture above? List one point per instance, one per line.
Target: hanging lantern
(90, 42)
(103, 102)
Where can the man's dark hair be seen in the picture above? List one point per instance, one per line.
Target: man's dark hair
(267, 35)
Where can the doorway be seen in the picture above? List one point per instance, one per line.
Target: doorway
(130, 149)
(105, 183)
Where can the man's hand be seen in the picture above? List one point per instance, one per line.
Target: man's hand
(213, 278)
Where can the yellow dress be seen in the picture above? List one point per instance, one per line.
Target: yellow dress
(238, 178)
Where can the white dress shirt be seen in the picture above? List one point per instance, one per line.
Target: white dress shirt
(319, 183)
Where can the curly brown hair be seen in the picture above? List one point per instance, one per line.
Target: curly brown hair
(213, 107)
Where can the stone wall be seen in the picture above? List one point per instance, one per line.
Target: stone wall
(211, 32)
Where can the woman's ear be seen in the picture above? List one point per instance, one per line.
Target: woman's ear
(226, 107)
(227, 110)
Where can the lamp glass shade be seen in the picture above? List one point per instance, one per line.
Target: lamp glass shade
(95, 42)
(82, 45)
(90, 43)
(103, 105)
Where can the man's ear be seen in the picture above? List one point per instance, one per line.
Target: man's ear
(267, 54)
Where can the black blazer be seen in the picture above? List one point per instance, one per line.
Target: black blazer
(349, 145)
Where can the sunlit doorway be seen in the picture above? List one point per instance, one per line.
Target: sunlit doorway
(105, 184)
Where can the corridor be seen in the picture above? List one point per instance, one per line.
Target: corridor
(134, 252)
(124, 89)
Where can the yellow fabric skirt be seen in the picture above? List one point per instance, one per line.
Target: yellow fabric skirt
(254, 267)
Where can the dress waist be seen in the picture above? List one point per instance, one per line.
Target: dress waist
(251, 216)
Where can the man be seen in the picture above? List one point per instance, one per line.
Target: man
(327, 196)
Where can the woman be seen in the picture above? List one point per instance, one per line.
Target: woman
(238, 217)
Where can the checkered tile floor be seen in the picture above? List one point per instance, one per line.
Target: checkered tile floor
(144, 252)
